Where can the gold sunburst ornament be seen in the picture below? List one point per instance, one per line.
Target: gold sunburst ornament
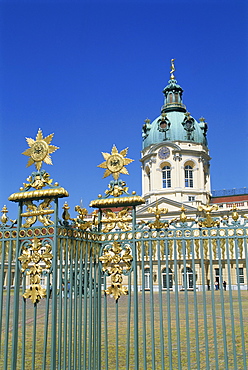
(115, 163)
(39, 150)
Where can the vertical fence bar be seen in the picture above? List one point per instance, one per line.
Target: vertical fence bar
(7, 323)
(197, 347)
(204, 301)
(231, 304)
(216, 355)
(2, 251)
(105, 315)
(65, 336)
(240, 303)
(46, 323)
(152, 306)
(89, 295)
(246, 260)
(16, 292)
(61, 293)
(34, 335)
(179, 363)
(99, 313)
(95, 306)
(54, 291)
(186, 303)
(128, 323)
(69, 298)
(86, 280)
(116, 336)
(143, 305)
(24, 314)
(80, 313)
(135, 288)
(222, 307)
(168, 305)
(160, 306)
(76, 295)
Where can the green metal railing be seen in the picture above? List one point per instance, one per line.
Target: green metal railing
(172, 317)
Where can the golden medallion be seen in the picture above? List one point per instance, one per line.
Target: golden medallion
(115, 163)
(39, 150)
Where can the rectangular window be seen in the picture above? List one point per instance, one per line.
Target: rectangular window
(240, 275)
(166, 175)
(43, 280)
(217, 272)
(191, 199)
(188, 174)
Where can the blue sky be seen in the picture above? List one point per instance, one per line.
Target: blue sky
(92, 71)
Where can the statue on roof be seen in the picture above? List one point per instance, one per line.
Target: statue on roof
(172, 69)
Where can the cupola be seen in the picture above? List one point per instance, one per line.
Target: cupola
(175, 123)
(173, 94)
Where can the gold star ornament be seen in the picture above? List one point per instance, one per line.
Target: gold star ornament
(115, 163)
(39, 150)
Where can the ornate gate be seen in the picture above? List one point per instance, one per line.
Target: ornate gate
(104, 292)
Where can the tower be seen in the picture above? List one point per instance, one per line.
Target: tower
(175, 157)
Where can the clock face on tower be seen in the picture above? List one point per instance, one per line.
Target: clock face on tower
(164, 152)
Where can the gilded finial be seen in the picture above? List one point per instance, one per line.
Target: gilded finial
(172, 69)
(66, 215)
(4, 217)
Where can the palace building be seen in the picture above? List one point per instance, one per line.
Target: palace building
(176, 161)
(176, 187)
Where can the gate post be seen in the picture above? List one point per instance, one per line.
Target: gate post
(117, 213)
(39, 189)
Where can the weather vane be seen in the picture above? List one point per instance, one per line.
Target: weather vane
(172, 69)
(39, 150)
(115, 163)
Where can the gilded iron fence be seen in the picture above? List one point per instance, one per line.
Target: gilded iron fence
(168, 298)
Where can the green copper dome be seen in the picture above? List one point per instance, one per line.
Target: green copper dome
(174, 123)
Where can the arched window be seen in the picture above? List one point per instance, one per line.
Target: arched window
(166, 176)
(188, 171)
(167, 276)
(148, 182)
(147, 278)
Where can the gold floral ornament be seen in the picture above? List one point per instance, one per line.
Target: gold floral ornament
(33, 261)
(235, 215)
(43, 212)
(39, 150)
(79, 221)
(38, 180)
(116, 188)
(208, 221)
(115, 261)
(182, 218)
(121, 220)
(157, 224)
(115, 163)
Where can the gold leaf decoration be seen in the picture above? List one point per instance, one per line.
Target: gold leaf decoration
(115, 260)
(32, 261)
